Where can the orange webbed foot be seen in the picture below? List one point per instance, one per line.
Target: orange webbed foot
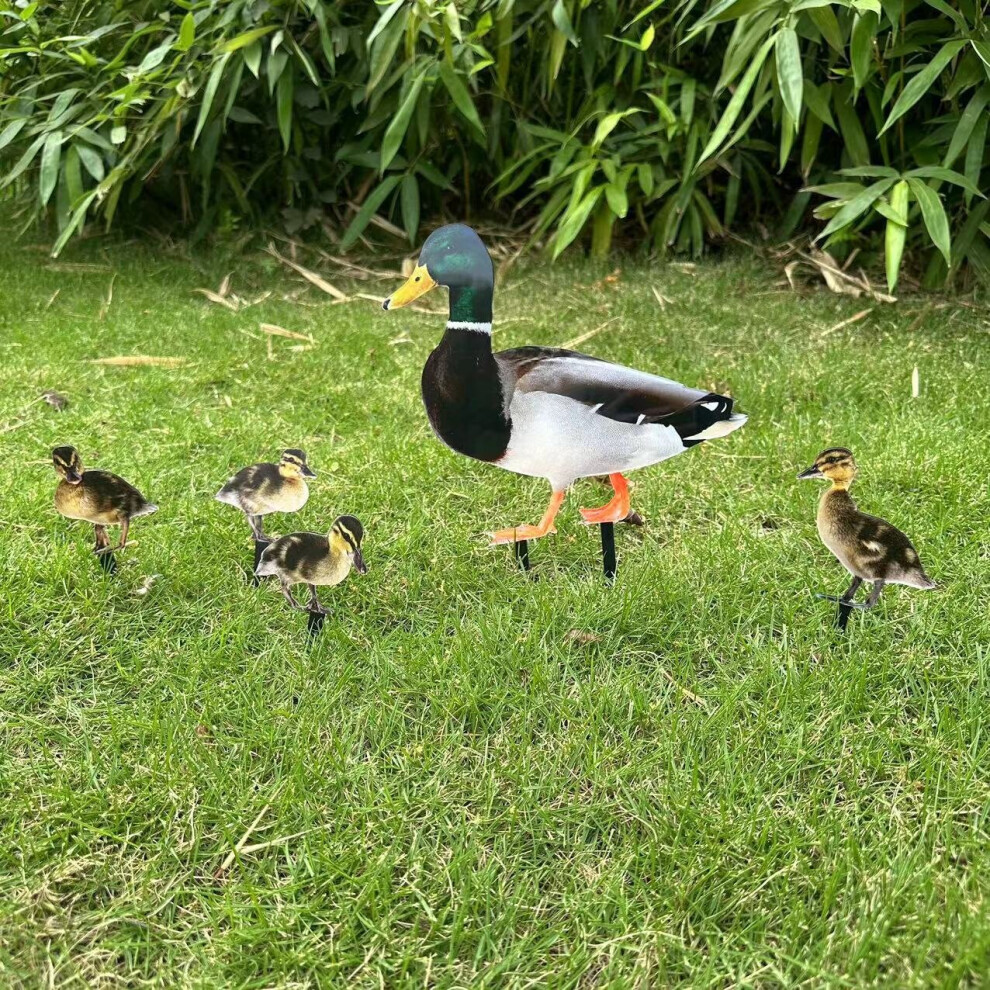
(519, 533)
(543, 528)
(617, 507)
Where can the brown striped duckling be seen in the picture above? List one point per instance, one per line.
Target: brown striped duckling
(97, 497)
(869, 548)
(263, 488)
(309, 558)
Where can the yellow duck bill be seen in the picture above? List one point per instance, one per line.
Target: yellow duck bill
(415, 286)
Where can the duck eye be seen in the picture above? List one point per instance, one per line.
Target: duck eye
(418, 278)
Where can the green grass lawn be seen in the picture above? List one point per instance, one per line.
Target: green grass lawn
(475, 779)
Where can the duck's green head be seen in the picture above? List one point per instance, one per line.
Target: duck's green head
(454, 256)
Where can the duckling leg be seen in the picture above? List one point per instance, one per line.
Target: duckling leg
(617, 507)
(542, 528)
(257, 526)
(102, 542)
(124, 527)
(313, 605)
(849, 594)
(287, 591)
(878, 587)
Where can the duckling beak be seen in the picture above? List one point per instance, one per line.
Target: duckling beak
(73, 477)
(358, 560)
(813, 472)
(307, 471)
(416, 285)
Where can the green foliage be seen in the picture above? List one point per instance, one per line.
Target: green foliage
(887, 96)
(668, 122)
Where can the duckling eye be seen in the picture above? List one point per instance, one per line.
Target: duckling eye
(418, 278)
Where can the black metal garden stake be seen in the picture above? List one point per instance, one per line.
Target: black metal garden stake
(608, 550)
(314, 623)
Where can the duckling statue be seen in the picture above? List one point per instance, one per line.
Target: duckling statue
(312, 559)
(542, 411)
(869, 548)
(97, 497)
(264, 488)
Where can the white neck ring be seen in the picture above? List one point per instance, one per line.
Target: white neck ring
(469, 325)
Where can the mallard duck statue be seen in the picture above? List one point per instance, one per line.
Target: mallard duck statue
(543, 411)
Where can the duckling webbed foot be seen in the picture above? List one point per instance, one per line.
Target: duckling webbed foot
(313, 606)
(102, 540)
(544, 527)
(616, 509)
(848, 595)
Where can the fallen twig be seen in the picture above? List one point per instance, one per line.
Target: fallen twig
(140, 360)
(277, 331)
(321, 283)
(581, 338)
(241, 842)
(852, 319)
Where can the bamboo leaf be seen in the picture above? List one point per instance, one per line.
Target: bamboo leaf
(383, 22)
(896, 232)
(853, 208)
(790, 78)
(460, 95)
(850, 127)
(946, 175)
(836, 190)
(562, 22)
(871, 171)
(967, 121)
(725, 10)
(933, 213)
(976, 151)
(817, 101)
(91, 160)
(216, 74)
(187, 33)
(409, 196)
(286, 86)
(618, 201)
(574, 220)
(400, 123)
(982, 49)
(825, 20)
(608, 123)
(252, 58)
(735, 106)
(368, 209)
(810, 142)
(861, 46)
(11, 131)
(922, 82)
(154, 58)
(51, 155)
(245, 39)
